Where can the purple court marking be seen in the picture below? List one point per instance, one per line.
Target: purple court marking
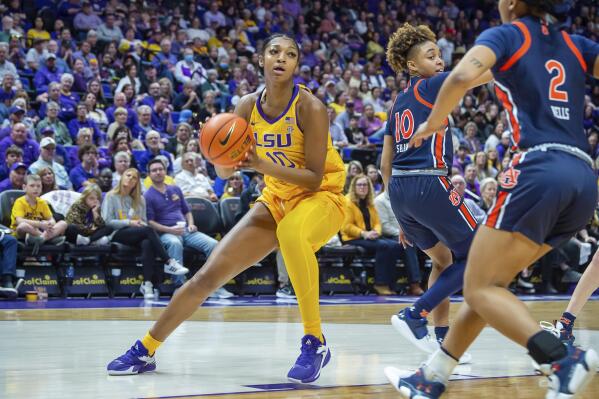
(270, 300)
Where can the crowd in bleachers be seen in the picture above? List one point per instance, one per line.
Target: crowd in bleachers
(90, 90)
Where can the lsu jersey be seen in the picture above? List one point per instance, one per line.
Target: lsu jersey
(411, 108)
(540, 79)
(281, 141)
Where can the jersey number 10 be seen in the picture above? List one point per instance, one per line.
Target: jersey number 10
(404, 125)
(279, 157)
(558, 80)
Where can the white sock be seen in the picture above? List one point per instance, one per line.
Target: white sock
(82, 240)
(439, 367)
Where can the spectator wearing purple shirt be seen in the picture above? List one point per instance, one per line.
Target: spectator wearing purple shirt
(67, 107)
(369, 122)
(214, 15)
(83, 121)
(153, 150)
(86, 18)
(472, 185)
(47, 74)
(161, 117)
(165, 61)
(87, 172)
(18, 137)
(120, 100)
(15, 179)
(169, 215)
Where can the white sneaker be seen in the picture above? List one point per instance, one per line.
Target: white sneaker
(147, 289)
(101, 241)
(221, 293)
(174, 267)
(82, 240)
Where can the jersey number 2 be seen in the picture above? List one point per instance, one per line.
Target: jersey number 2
(403, 129)
(554, 93)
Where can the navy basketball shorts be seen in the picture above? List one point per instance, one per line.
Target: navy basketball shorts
(429, 210)
(548, 196)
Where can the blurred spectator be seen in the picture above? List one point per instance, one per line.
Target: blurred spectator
(362, 227)
(47, 74)
(6, 67)
(12, 155)
(176, 144)
(188, 70)
(470, 138)
(8, 265)
(86, 18)
(18, 137)
(187, 99)
(234, 186)
(460, 185)
(153, 149)
(82, 121)
(354, 168)
(192, 183)
(121, 162)
(370, 123)
(109, 31)
(461, 160)
(390, 229)
(483, 168)
(488, 193)
(338, 136)
(161, 117)
(86, 172)
(504, 145)
(48, 179)
(46, 160)
(472, 184)
(51, 121)
(16, 177)
(375, 178)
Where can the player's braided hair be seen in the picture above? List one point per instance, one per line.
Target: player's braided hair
(405, 38)
(557, 8)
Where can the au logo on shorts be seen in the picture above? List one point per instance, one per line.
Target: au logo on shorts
(509, 178)
(454, 197)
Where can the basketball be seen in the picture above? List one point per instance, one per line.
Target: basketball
(225, 138)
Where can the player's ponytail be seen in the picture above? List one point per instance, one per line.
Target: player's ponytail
(557, 8)
(405, 38)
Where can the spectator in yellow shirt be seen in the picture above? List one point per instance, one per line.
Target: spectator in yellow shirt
(31, 217)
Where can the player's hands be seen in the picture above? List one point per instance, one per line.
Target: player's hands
(424, 131)
(250, 161)
(192, 228)
(403, 240)
(136, 223)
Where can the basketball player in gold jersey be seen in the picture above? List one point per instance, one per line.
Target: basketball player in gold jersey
(300, 209)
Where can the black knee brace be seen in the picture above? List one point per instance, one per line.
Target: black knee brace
(545, 347)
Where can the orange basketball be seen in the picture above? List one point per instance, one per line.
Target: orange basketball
(225, 138)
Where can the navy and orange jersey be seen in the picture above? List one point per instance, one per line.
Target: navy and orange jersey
(411, 108)
(540, 79)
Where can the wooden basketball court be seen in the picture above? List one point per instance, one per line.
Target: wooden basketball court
(245, 352)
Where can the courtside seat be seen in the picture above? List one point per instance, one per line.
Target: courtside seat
(229, 208)
(205, 216)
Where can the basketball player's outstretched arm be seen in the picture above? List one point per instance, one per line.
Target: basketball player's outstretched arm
(474, 67)
(313, 121)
